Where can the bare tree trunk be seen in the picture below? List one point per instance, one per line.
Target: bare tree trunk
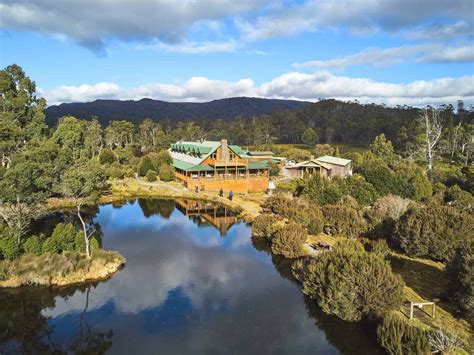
(84, 228)
(431, 119)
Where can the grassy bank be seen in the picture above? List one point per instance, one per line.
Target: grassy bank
(248, 205)
(59, 269)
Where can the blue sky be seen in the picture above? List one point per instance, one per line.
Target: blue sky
(394, 52)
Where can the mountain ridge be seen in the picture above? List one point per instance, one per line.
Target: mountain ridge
(137, 110)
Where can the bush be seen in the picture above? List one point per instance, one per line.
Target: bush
(107, 156)
(116, 171)
(80, 245)
(62, 239)
(289, 240)
(297, 154)
(399, 337)
(265, 225)
(33, 245)
(378, 247)
(161, 158)
(144, 165)
(351, 283)
(343, 220)
(432, 232)
(9, 247)
(151, 175)
(166, 173)
(444, 343)
(296, 210)
(460, 271)
(274, 168)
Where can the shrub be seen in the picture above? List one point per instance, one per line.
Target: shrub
(9, 247)
(297, 154)
(151, 175)
(432, 232)
(356, 186)
(160, 158)
(460, 271)
(458, 198)
(320, 190)
(166, 173)
(115, 171)
(144, 165)
(444, 343)
(107, 156)
(351, 283)
(33, 245)
(265, 225)
(289, 240)
(399, 337)
(62, 239)
(80, 245)
(274, 168)
(343, 220)
(378, 247)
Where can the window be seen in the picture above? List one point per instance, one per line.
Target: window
(214, 156)
(231, 156)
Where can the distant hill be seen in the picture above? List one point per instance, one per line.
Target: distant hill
(136, 111)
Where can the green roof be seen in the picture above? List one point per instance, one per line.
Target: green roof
(182, 165)
(237, 149)
(258, 164)
(333, 160)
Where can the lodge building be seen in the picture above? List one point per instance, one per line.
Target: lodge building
(325, 166)
(215, 165)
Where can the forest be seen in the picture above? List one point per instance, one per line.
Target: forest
(411, 194)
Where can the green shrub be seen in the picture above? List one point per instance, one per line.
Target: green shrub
(265, 225)
(289, 240)
(116, 171)
(166, 173)
(107, 156)
(160, 158)
(398, 337)
(460, 271)
(151, 175)
(144, 165)
(378, 247)
(432, 231)
(343, 220)
(62, 239)
(297, 154)
(9, 247)
(351, 283)
(442, 342)
(33, 245)
(297, 210)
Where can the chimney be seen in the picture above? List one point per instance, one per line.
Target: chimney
(224, 150)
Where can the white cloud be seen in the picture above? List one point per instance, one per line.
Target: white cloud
(92, 22)
(433, 53)
(359, 16)
(294, 85)
(194, 47)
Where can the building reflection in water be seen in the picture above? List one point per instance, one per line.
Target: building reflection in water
(208, 213)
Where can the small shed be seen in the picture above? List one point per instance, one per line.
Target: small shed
(338, 166)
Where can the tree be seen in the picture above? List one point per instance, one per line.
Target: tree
(430, 119)
(21, 112)
(323, 149)
(383, 148)
(78, 183)
(288, 241)
(18, 216)
(148, 130)
(309, 137)
(166, 173)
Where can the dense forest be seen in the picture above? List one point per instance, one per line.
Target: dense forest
(136, 111)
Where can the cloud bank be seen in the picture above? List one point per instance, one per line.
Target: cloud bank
(294, 85)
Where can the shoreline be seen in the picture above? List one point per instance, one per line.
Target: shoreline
(55, 269)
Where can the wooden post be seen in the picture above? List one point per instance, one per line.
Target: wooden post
(411, 310)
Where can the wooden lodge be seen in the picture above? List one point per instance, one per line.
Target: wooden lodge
(325, 166)
(213, 165)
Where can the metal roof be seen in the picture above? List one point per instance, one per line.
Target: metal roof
(333, 160)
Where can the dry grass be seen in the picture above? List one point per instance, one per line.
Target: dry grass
(59, 269)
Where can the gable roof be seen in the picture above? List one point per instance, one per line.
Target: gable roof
(333, 160)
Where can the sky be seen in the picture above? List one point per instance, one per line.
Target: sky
(395, 52)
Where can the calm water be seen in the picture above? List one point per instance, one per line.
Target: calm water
(194, 283)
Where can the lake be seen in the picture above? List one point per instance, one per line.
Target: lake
(194, 283)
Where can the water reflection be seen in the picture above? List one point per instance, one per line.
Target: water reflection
(185, 289)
